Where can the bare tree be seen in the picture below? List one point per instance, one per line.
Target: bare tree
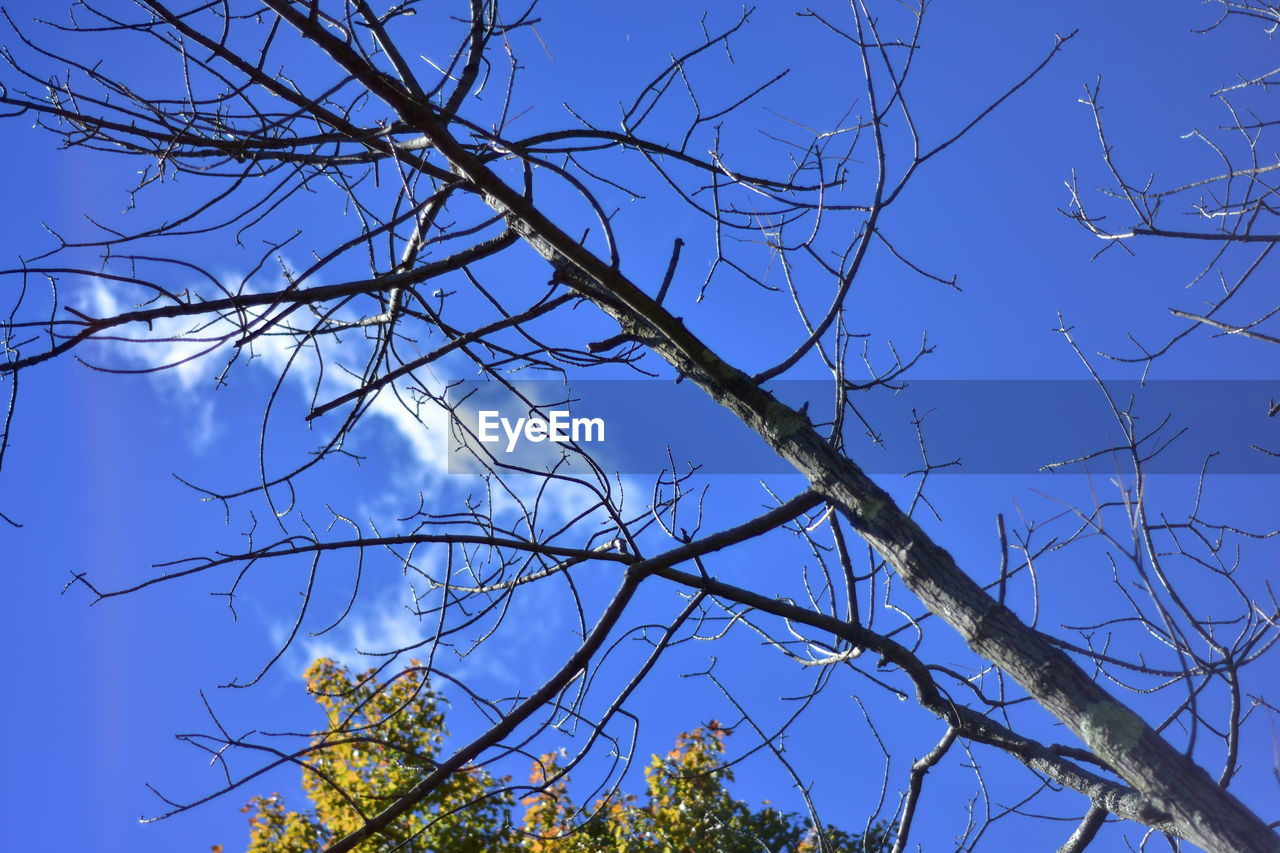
(457, 235)
(1231, 209)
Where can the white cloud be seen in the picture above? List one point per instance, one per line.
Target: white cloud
(390, 625)
(179, 344)
(383, 620)
(387, 621)
(203, 428)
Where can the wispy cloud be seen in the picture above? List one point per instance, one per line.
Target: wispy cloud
(389, 620)
(180, 346)
(387, 624)
(384, 619)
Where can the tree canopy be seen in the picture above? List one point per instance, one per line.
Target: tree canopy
(380, 738)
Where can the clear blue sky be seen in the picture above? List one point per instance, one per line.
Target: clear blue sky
(96, 693)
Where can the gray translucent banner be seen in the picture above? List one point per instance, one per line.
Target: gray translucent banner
(984, 426)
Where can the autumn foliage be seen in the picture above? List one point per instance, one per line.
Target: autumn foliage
(382, 738)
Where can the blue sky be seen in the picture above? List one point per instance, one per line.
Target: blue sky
(99, 691)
